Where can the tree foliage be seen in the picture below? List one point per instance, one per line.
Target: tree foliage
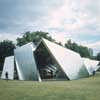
(6, 49)
(82, 50)
(33, 37)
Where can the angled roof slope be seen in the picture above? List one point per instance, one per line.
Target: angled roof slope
(8, 67)
(70, 62)
(25, 62)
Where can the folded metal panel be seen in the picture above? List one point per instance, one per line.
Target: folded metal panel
(91, 65)
(8, 68)
(95, 64)
(70, 62)
(25, 63)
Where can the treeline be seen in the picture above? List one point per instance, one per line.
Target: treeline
(7, 47)
(82, 50)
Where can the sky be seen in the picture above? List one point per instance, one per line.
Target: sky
(78, 20)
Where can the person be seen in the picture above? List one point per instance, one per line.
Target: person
(6, 75)
(93, 72)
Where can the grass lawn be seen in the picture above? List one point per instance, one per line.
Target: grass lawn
(83, 89)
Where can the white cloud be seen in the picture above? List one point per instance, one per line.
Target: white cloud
(8, 36)
(75, 17)
(95, 45)
(63, 18)
(60, 37)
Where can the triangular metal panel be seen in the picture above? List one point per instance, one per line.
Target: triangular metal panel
(25, 63)
(91, 65)
(8, 68)
(70, 62)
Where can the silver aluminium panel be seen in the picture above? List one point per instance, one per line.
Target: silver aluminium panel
(9, 68)
(25, 63)
(91, 65)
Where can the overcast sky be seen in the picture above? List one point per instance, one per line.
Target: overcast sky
(78, 20)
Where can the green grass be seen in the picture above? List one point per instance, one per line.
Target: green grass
(83, 89)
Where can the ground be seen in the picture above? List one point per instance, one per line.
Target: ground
(83, 89)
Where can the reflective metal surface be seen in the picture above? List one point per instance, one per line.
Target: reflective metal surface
(91, 65)
(70, 62)
(25, 63)
(8, 68)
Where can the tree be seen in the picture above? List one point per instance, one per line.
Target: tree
(33, 37)
(6, 49)
(98, 56)
(82, 50)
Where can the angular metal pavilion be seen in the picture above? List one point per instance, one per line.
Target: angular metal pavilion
(70, 62)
